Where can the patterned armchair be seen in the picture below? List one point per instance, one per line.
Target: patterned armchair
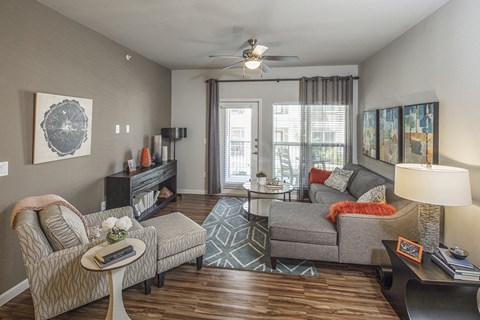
(57, 281)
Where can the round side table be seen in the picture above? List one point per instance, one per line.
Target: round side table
(116, 309)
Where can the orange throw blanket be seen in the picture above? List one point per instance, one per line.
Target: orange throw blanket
(39, 203)
(376, 209)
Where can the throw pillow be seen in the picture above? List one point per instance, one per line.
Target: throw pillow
(319, 175)
(338, 180)
(376, 209)
(62, 227)
(376, 194)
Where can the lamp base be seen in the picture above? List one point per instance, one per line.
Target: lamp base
(429, 226)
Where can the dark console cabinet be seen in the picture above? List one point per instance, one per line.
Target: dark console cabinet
(122, 187)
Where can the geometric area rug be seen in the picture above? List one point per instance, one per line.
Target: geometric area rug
(236, 243)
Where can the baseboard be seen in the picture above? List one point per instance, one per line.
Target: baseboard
(191, 191)
(13, 292)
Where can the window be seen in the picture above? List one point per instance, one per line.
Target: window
(324, 130)
(279, 109)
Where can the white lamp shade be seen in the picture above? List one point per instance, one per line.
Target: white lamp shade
(252, 64)
(440, 185)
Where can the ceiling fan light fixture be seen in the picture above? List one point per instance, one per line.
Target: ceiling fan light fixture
(252, 63)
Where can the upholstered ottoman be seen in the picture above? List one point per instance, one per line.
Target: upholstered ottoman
(299, 231)
(179, 240)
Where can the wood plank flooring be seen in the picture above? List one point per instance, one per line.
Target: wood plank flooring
(339, 292)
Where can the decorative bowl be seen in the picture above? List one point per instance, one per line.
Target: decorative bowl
(458, 253)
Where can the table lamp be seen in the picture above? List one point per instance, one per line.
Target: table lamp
(433, 186)
(174, 134)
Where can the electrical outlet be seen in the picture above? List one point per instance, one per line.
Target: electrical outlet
(103, 206)
(3, 169)
(117, 128)
(127, 128)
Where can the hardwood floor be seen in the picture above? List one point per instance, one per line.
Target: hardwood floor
(339, 292)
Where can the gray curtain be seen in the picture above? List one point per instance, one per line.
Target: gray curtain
(329, 91)
(213, 139)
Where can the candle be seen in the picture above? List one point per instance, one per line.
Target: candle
(164, 153)
(157, 145)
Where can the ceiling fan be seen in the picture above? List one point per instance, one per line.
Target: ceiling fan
(253, 57)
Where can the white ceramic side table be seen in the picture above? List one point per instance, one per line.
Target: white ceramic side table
(116, 310)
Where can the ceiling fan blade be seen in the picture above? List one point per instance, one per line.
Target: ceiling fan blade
(232, 65)
(281, 58)
(259, 50)
(265, 68)
(225, 56)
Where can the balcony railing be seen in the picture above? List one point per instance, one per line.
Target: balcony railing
(286, 159)
(237, 162)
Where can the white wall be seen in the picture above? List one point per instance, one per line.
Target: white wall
(437, 60)
(189, 110)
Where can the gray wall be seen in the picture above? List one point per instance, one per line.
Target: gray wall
(437, 60)
(42, 51)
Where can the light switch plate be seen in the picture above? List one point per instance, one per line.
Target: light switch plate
(3, 168)
(127, 128)
(117, 128)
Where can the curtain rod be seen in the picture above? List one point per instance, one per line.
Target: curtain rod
(276, 80)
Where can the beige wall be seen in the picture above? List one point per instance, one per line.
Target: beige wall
(189, 110)
(437, 60)
(42, 51)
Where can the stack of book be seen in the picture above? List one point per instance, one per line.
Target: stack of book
(144, 200)
(276, 186)
(456, 268)
(113, 253)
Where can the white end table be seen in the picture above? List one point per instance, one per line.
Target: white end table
(116, 310)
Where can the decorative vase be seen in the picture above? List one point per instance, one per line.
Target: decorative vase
(145, 159)
(262, 181)
(115, 235)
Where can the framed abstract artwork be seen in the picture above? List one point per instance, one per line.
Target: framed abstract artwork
(390, 135)
(62, 127)
(420, 133)
(370, 133)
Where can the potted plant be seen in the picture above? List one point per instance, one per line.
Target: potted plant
(261, 178)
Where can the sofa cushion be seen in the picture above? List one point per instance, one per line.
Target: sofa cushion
(338, 180)
(322, 194)
(285, 225)
(318, 175)
(62, 227)
(355, 168)
(376, 194)
(363, 181)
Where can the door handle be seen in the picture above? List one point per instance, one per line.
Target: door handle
(255, 152)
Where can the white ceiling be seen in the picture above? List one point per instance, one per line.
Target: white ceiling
(181, 34)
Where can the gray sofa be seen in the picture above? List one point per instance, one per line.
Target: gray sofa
(301, 231)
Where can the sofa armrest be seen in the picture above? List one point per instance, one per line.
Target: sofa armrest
(96, 218)
(360, 236)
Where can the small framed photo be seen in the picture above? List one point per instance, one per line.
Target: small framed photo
(410, 249)
(131, 165)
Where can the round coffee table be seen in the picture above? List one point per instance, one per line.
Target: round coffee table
(116, 309)
(261, 207)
